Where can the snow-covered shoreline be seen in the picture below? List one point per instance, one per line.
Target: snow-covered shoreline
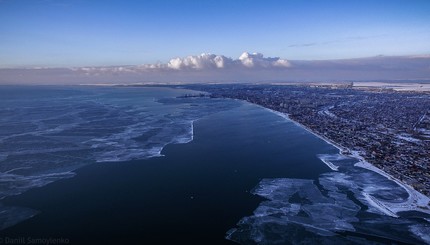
(416, 200)
(286, 116)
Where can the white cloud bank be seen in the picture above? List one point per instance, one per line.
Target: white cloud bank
(248, 67)
(202, 62)
(212, 61)
(258, 60)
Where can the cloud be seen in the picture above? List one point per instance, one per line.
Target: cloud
(336, 41)
(211, 61)
(199, 62)
(302, 45)
(202, 62)
(258, 60)
(248, 67)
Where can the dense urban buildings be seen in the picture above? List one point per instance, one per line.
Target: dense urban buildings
(390, 129)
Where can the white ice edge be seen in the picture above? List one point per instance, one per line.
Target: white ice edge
(151, 154)
(379, 205)
(416, 200)
(329, 164)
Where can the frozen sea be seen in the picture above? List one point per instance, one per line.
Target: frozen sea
(142, 164)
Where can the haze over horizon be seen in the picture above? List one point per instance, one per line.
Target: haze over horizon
(63, 41)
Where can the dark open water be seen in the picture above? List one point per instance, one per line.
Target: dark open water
(227, 169)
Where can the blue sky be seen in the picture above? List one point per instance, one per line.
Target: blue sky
(68, 33)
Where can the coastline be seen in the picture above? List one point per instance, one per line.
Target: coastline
(416, 201)
(194, 202)
(286, 116)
